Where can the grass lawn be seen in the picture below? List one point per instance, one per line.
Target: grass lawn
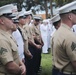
(46, 64)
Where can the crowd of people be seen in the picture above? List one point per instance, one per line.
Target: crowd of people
(24, 36)
(21, 41)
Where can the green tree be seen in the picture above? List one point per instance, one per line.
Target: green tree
(30, 3)
(62, 2)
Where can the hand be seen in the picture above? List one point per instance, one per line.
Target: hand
(23, 69)
(29, 55)
(38, 46)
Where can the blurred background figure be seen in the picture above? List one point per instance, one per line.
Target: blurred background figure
(56, 21)
(44, 34)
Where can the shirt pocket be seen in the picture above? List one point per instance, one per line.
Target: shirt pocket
(14, 47)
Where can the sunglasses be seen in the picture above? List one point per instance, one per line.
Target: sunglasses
(22, 17)
(8, 16)
(16, 21)
(37, 20)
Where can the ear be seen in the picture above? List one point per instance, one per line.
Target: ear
(70, 16)
(1, 21)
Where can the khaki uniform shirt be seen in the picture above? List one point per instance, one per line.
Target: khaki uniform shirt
(64, 48)
(36, 32)
(26, 29)
(8, 51)
(28, 32)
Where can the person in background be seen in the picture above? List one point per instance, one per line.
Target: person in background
(49, 33)
(38, 40)
(10, 63)
(64, 41)
(44, 35)
(56, 21)
(31, 44)
(31, 63)
(21, 37)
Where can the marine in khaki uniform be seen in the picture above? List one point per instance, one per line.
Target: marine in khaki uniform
(22, 22)
(64, 41)
(56, 21)
(10, 63)
(38, 40)
(26, 28)
(36, 30)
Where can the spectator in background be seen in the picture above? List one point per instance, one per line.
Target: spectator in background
(38, 41)
(56, 22)
(44, 35)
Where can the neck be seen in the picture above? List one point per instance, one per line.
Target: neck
(67, 22)
(21, 25)
(10, 31)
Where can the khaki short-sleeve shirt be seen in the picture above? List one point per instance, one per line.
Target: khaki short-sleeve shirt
(8, 50)
(23, 33)
(64, 48)
(36, 31)
(28, 31)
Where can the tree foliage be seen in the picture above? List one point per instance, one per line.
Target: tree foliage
(30, 3)
(62, 2)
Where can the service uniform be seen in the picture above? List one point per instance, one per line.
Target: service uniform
(8, 51)
(28, 32)
(30, 62)
(64, 50)
(36, 32)
(26, 29)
